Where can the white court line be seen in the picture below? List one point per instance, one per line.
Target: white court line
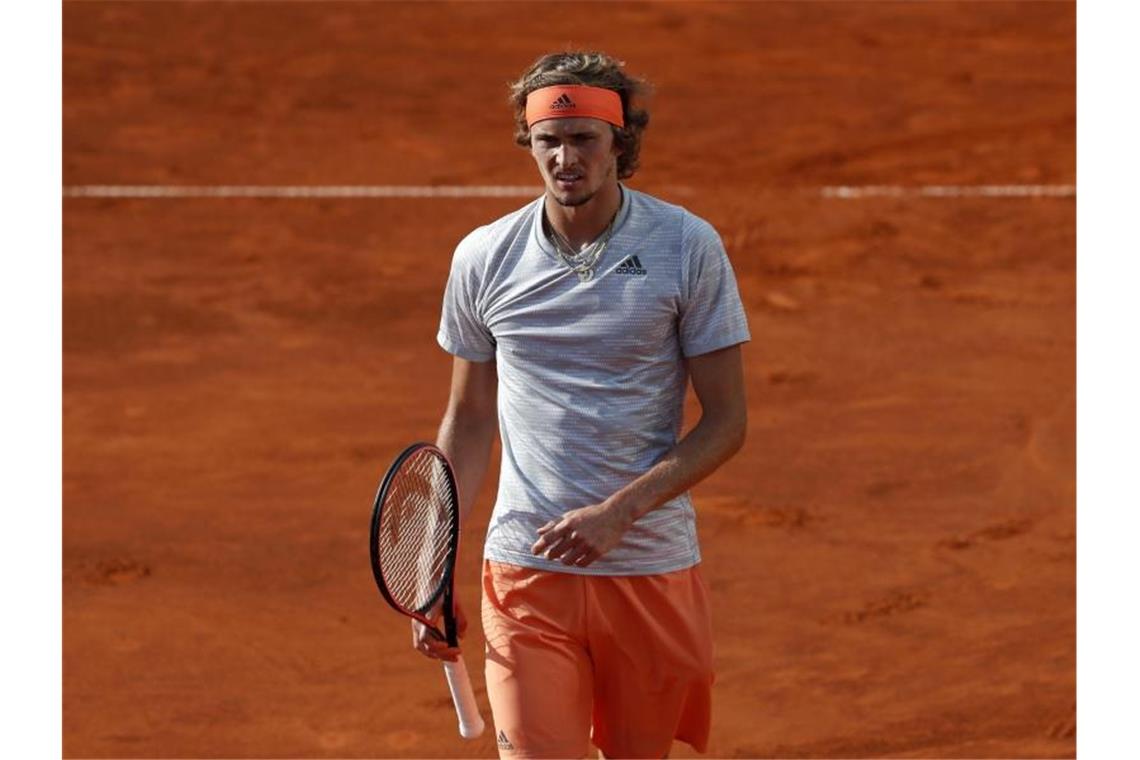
(840, 192)
(850, 192)
(301, 191)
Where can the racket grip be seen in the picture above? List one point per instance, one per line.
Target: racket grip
(470, 721)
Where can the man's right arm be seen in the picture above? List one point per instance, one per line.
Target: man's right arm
(465, 435)
(469, 426)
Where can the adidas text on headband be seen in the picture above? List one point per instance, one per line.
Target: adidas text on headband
(564, 101)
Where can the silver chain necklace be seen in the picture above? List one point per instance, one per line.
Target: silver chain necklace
(581, 262)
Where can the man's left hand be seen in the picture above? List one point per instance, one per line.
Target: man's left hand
(582, 535)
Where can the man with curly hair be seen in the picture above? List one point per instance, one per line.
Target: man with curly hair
(575, 324)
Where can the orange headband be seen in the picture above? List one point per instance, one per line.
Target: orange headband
(564, 101)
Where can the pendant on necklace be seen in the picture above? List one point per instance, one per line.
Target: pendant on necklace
(585, 275)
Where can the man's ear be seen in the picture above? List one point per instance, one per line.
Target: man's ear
(616, 147)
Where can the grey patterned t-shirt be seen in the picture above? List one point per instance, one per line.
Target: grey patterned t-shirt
(591, 374)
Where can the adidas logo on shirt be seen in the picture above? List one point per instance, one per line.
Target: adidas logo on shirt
(632, 265)
(563, 101)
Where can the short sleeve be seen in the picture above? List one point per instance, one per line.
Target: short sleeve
(712, 315)
(462, 331)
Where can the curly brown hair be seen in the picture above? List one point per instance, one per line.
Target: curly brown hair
(596, 70)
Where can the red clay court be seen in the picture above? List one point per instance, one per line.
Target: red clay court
(891, 557)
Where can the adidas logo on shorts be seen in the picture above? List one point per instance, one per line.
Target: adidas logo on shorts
(632, 265)
(504, 742)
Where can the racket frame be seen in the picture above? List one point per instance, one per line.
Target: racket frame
(446, 586)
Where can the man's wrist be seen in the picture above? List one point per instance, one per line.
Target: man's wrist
(625, 507)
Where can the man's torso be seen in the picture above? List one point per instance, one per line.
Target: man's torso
(591, 377)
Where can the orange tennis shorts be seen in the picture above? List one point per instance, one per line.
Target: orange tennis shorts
(629, 657)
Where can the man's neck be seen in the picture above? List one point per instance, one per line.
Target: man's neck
(580, 225)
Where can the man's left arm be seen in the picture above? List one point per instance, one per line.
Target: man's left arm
(583, 535)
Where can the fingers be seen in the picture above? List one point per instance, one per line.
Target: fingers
(565, 545)
(547, 537)
(554, 543)
(580, 556)
(428, 642)
(441, 652)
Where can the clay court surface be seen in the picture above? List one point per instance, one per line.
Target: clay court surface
(891, 557)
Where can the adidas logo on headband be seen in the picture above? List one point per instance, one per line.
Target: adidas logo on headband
(563, 101)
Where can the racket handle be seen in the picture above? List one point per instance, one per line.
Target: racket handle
(470, 721)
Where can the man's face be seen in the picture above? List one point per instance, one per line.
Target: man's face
(576, 157)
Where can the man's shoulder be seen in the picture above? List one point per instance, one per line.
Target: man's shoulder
(656, 211)
(488, 237)
(654, 207)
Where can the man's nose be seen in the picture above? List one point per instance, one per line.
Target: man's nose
(565, 155)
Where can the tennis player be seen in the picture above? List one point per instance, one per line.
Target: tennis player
(575, 324)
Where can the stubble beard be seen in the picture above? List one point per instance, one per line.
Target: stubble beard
(572, 202)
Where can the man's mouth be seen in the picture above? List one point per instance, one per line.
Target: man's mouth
(567, 178)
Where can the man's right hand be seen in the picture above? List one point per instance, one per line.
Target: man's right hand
(428, 643)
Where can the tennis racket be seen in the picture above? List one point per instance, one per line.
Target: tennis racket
(414, 541)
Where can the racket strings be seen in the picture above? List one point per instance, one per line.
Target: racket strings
(415, 531)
